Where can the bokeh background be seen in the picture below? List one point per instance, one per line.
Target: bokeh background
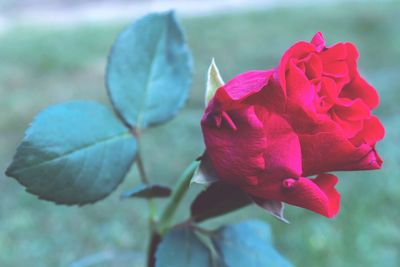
(52, 51)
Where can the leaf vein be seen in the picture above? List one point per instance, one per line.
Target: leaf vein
(68, 153)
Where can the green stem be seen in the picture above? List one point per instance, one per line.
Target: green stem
(140, 165)
(155, 237)
(179, 192)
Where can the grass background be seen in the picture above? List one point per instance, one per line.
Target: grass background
(43, 66)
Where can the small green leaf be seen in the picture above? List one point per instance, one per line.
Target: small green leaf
(247, 244)
(180, 247)
(149, 70)
(218, 199)
(205, 173)
(74, 153)
(273, 207)
(147, 191)
(214, 81)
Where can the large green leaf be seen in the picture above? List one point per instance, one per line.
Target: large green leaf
(149, 70)
(247, 244)
(74, 153)
(180, 247)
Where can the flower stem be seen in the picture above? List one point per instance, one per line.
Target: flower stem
(179, 192)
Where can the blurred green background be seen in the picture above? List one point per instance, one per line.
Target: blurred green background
(40, 66)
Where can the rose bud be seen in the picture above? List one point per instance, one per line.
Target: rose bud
(267, 131)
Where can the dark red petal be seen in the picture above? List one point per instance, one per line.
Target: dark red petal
(282, 153)
(237, 155)
(318, 195)
(331, 151)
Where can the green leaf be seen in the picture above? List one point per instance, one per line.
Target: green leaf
(273, 207)
(147, 191)
(149, 70)
(180, 247)
(214, 81)
(218, 199)
(74, 153)
(204, 173)
(247, 244)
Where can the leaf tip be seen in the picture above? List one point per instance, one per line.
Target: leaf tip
(9, 171)
(214, 80)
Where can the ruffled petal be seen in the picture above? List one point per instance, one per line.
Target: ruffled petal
(349, 128)
(331, 151)
(335, 65)
(372, 132)
(318, 195)
(358, 88)
(299, 90)
(352, 57)
(297, 51)
(337, 52)
(352, 110)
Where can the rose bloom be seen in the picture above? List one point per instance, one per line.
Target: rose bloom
(269, 131)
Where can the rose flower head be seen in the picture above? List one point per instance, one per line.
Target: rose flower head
(270, 132)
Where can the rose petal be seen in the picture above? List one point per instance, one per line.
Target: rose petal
(236, 155)
(318, 41)
(270, 97)
(297, 51)
(331, 151)
(358, 88)
(246, 84)
(352, 110)
(372, 132)
(352, 57)
(282, 153)
(318, 195)
(350, 128)
(298, 87)
(337, 52)
(337, 70)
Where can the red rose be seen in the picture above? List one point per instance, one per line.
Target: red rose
(266, 131)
